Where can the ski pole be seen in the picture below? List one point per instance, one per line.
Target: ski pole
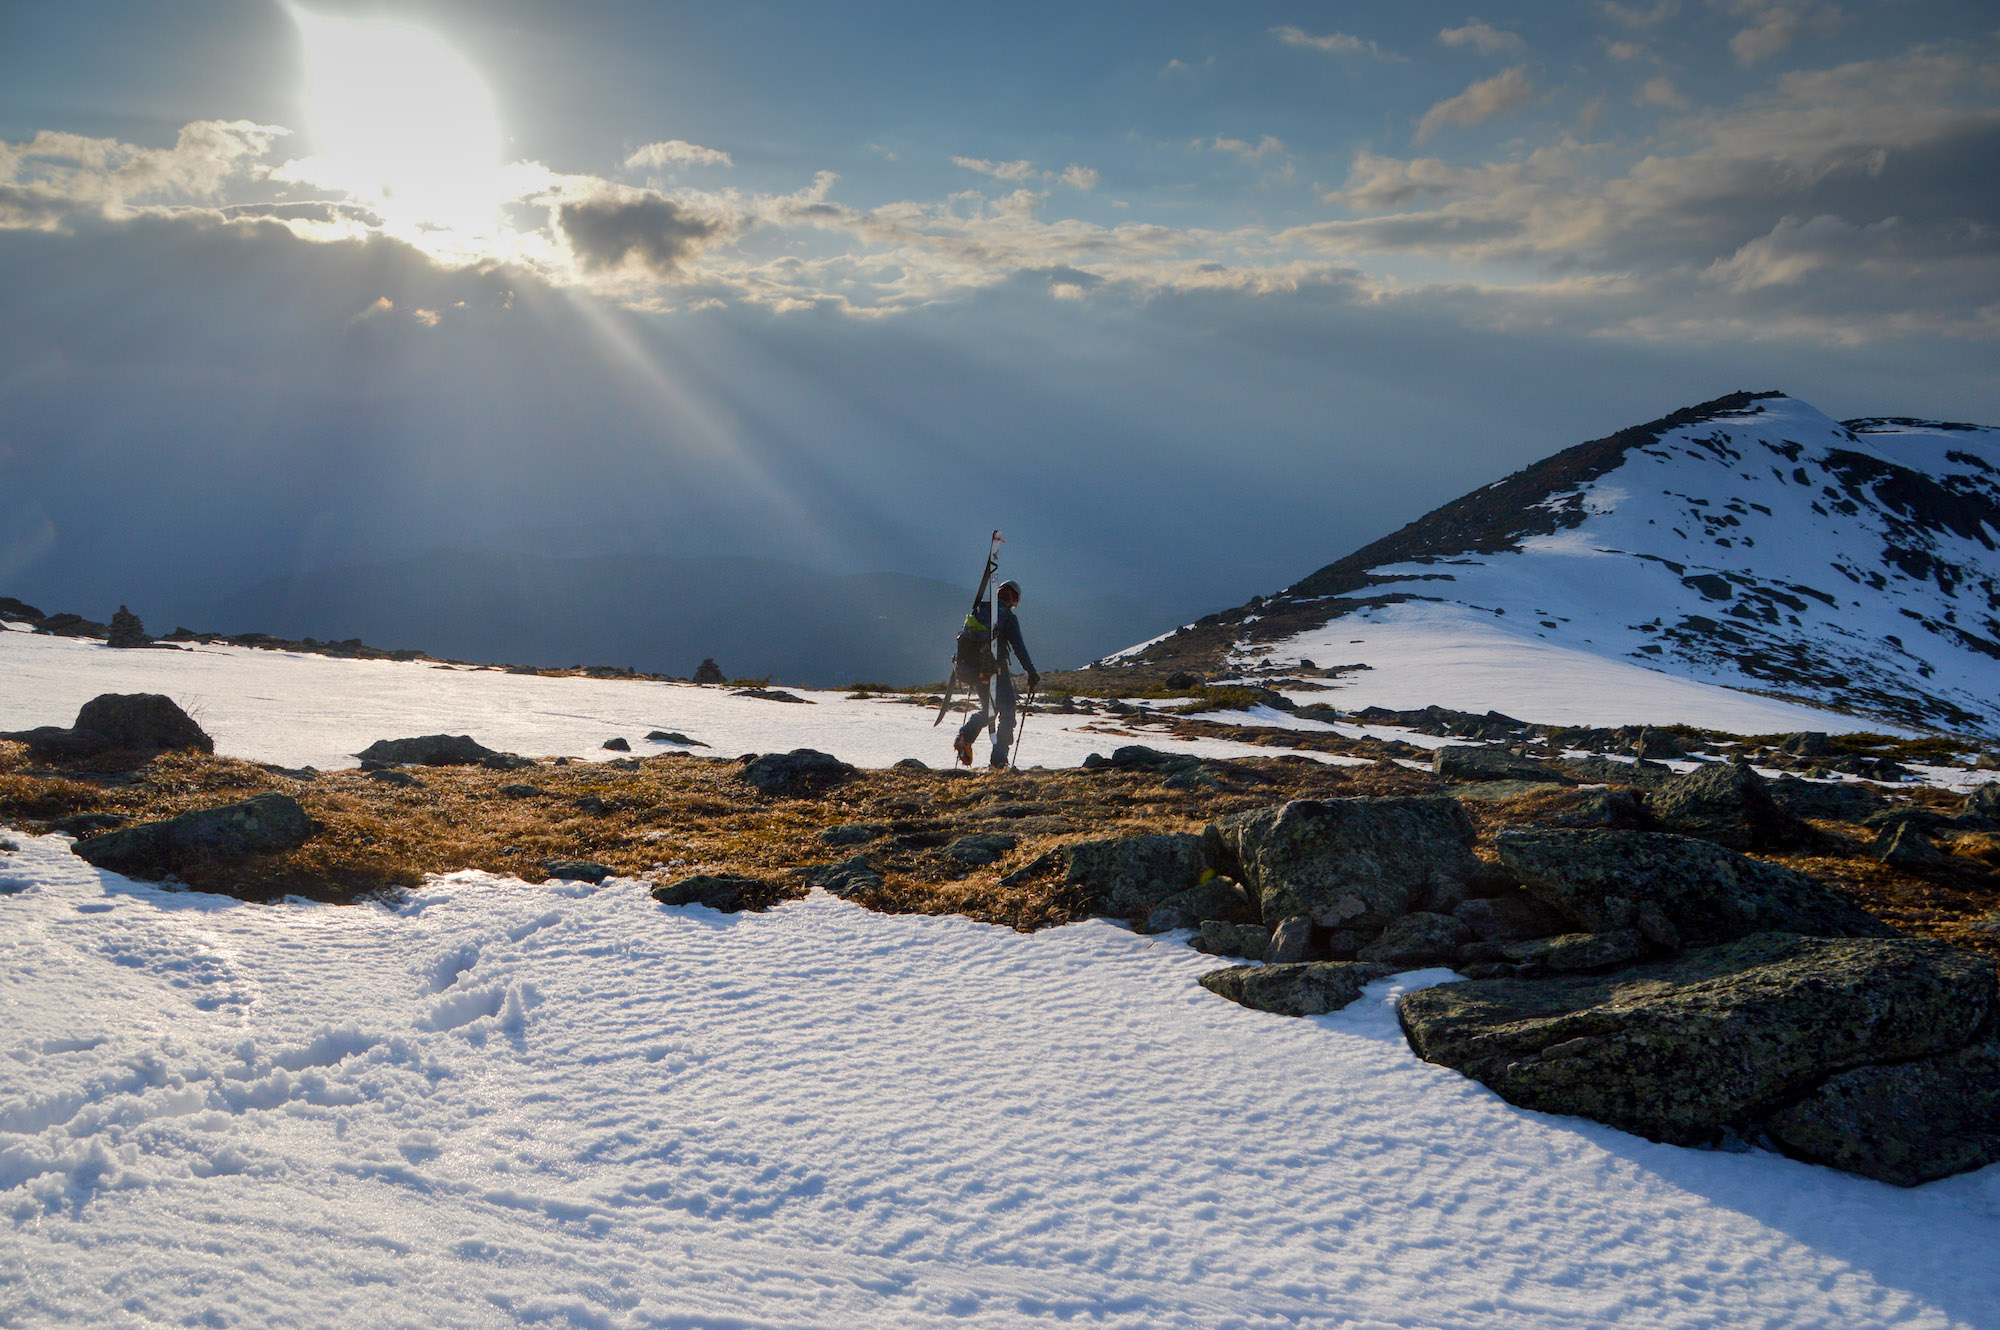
(1027, 709)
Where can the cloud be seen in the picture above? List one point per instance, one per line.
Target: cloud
(1333, 43)
(676, 152)
(1482, 37)
(1636, 16)
(1479, 103)
(1623, 50)
(1079, 177)
(47, 178)
(1247, 150)
(1021, 170)
(1179, 66)
(651, 230)
(1660, 92)
(1775, 24)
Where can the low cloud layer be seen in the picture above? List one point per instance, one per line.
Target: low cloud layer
(651, 230)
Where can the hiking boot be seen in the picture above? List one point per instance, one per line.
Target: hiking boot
(997, 762)
(962, 747)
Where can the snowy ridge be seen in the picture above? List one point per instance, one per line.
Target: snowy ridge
(1753, 543)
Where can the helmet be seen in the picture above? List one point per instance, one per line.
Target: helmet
(1008, 593)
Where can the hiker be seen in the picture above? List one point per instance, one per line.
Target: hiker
(1006, 638)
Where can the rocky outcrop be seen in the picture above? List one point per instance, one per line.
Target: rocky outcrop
(1675, 889)
(729, 893)
(128, 722)
(1718, 1039)
(1839, 802)
(265, 824)
(1418, 939)
(1309, 989)
(575, 870)
(428, 750)
(1576, 951)
(618, 744)
(1348, 863)
(63, 624)
(1611, 771)
(1514, 916)
(1905, 846)
(19, 611)
(846, 879)
(801, 772)
(1724, 802)
(1127, 877)
(981, 848)
(770, 695)
(1909, 1123)
(1473, 762)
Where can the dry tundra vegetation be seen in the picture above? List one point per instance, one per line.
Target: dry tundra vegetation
(668, 816)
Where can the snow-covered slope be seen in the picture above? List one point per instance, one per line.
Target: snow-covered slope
(1751, 542)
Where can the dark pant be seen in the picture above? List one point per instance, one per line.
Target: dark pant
(1002, 692)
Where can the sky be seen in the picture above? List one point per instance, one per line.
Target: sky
(1189, 299)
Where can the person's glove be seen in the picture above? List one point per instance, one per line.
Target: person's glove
(1034, 680)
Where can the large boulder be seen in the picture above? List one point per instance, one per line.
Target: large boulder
(1984, 801)
(263, 824)
(1129, 876)
(1577, 951)
(802, 771)
(1514, 916)
(428, 750)
(1611, 771)
(1676, 889)
(1311, 988)
(1836, 801)
(1716, 1039)
(1477, 762)
(1724, 802)
(142, 721)
(1348, 863)
(1418, 939)
(65, 624)
(1907, 1123)
(729, 893)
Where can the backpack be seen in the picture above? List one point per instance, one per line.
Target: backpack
(973, 657)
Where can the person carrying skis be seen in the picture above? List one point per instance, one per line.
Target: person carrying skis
(1006, 639)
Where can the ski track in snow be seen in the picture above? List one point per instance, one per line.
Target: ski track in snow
(508, 1104)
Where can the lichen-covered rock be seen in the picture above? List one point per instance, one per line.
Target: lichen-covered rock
(1838, 801)
(1290, 941)
(142, 722)
(1418, 939)
(802, 771)
(1619, 808)
(1309, 989)
(1610, 771)
(1724, 802)
(1216, 898)
(1908, 1123)
(853, 833)
(1905, 846)
(1348, 863)
(1984, 801)
(730, 893)
(428, 750)
(264, 824)
(1250, 941)
(1478, 762)
(1577, 952)
(1514, 916)
(1675, 888)
(846, 879)
(1717, 1038)
(575, 870)
(1129, 876)
(981, 848)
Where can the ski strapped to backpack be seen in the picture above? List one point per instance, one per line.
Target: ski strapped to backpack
(972, 656)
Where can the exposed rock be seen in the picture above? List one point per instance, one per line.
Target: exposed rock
(505, 762)
(1718, 1038)
(591, 804)
(770, 695)
(1180, 680)
(1348, 863)
(1724, 802)
(1906, 1124)
(1247, 940)
(1610, 771)
(575, 870)
(800, 772)
(1466, 762)
(1290, 941)
(1675, 888)
(853, 833)
(618, 744)
(1654, 745)
(1310, 989)
(1048, 861)
(264, 824)
(127, 630)
(523, 791)
(55, 743)
(674, 737)
(981, 848)
(1215, 898)
(708, 672)
(142, 722)
(1418, 939)
(19, 611)
(395, 776)
(729, 893)
(1577, 951)
(1904, 846)
(1984, 801)
(1624, 809)
(428, 750)
(912, 764)
(846, 878)
(63, 624)
(88, 824)
(1128, 876)
(1806, 743)
(1513, 917)
(1834, 800)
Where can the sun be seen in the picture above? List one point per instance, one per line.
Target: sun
(402, 123)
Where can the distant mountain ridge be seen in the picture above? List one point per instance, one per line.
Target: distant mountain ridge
(1749, 541)
(663, 614)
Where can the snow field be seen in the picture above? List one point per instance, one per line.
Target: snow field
(503, 1104)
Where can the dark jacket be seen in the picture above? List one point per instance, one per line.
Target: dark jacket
(1006, 636)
